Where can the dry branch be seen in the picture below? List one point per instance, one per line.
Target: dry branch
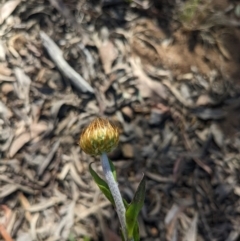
(56, 55)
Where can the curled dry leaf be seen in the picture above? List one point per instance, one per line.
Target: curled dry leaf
(7, 8)
(108, 54)
(17, 42)
(146, 85)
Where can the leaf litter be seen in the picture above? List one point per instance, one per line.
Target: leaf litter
(173, 86)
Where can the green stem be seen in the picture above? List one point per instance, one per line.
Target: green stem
(113, 186)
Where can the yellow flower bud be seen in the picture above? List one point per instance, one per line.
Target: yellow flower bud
(99, 136)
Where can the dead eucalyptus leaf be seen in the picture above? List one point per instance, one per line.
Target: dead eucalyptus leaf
(7, 8)
(25, 137)
(191, 234)
(146, 85)
(108, 54)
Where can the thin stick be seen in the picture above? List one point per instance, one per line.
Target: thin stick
(56, 55)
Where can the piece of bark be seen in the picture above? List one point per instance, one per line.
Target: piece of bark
(56, 55)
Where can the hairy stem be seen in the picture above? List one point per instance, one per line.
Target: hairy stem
(113, 186)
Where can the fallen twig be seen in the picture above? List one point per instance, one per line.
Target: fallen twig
(56, 55)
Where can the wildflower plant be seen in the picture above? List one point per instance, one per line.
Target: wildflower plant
(99, 138)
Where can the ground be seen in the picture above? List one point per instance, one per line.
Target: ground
(167, 72)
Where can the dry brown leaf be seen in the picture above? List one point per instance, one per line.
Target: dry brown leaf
(45, 204)
(25, 137)
(178, 95)
(18, 143)
(171, 222)
(7, 190)
(64, 172)
(11, 221)
(2, 52)
(25, 204)
(7, 88)
(82, 214)
(76, 177)
(66, 223)
(5, 113)
(5, 234)
(17, 42)
(4, 70)
(23, 84)
(108, 54)
(172, 213)
(146, 85)
(158, 178)
(7, 78)
(33, 225)
(37, 128)
(217, 134)
(48, 159)
(191, 234)
(7, 8)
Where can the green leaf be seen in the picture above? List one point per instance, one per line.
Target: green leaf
(136, 236)
(126, 204)
(134, 208)
(113, 169)
(102, 185)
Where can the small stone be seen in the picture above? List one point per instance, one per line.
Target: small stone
(156, 117)
(127, 112)
(127, 150)
(154, 231)
(204, 100)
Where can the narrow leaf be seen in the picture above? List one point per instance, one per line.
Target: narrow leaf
(126, 204)
(135, 207)
(136, 236)
(101, 184)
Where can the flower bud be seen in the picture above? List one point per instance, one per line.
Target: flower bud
(100, 136)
